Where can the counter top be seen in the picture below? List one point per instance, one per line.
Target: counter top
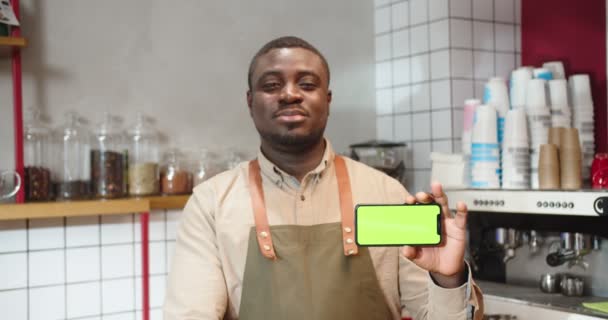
(534, 297)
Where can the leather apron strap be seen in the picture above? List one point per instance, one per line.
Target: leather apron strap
(262, 227)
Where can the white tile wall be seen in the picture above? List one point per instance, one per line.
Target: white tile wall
(82, 231)
(46, 267)
(47, 303)
(84, 299)
(384, 74)
(13, 236)
(13, 271)
(382, 20)
(118, 295)
(442, 56)
(46, 234)
(14, 304)
(117, 261)
(383, 47)
(83, 264)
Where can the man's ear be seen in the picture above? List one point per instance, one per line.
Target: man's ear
(329, 95)
(249, 100)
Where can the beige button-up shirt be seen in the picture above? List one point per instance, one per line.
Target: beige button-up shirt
(206, 277)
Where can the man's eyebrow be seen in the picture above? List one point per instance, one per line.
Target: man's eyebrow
(309, 73)
(270, 73)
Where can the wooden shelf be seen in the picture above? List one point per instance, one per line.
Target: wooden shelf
(89, 207)
(8, 44)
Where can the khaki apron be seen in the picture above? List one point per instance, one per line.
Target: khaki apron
(301, 273)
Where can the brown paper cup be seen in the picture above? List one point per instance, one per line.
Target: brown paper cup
(548, 167)
(569, 139)
(570, 168)
(555, 136)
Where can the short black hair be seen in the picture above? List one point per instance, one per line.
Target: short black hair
(285, 42)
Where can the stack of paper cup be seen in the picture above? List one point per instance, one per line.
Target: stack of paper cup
(556, 68)
(583, 119)
(570, 159)
(516, 151)
(518, 86)
(467, 128)
(548, 167)
(496, 94)
(485, 158)
(539, 122)
(561, 116)
(542, 73)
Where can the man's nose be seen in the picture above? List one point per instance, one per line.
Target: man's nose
(290, 93)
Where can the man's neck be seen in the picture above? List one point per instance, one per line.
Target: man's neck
(297, 163)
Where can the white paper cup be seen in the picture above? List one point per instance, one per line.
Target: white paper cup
(467, 127)
(580, 91)
(558, 94)
(536, 94)
(543, 73)
(485, 125)
(518, 87)
(497, 95)
(516, 129)
(556, 68)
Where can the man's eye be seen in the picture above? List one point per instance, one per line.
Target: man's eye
(271, 86)
(308, 86)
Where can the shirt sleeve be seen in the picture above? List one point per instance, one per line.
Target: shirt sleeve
(422, 299)
(196, 287)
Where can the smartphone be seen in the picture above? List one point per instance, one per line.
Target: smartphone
(397, 225)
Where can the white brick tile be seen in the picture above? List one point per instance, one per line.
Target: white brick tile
(158, 258)
(505, 63)
(83, 299)
(46, 234)
(462, 63)
(383, 47)
(484, 64)
(460, 8)
(400, 15)
(517, 38)
(440, 94)
(382, 20)
(418, 11)
(457, 123)
(384, 101)
(504, 11)
(419, 37)
(403, 127)
(440, 64)
(420, 68)
(384, 128)
(157, 291)
(442, 124)
(14, 304)
(438, 9)
(82, 231)
(401, 43)
(505, 37)
(422, 152)
(440, 35)
(13, 271)
(483, 35)
(47, 303)
(402, 100)
(46, 267)
(517, 11)
(482, 9)
(444, 146)
(383, 74)
(378, 3)
(461, 32)
(117, 261)
(401, 71)
(462, 90)
(479, 88)
(421, 97)
(421, 124)
(118, 295)
(83, 264)
(13, 236)
(116, 229)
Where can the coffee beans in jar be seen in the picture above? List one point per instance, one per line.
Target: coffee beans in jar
(107, 174)
(38, 185)
(72, 190)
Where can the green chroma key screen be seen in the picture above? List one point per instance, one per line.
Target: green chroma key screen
(393, 225)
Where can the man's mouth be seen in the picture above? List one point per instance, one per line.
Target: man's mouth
(291, 115)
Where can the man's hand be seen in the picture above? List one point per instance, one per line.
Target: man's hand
(446, 261)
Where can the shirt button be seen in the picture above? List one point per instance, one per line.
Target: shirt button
(349, 241)
(263, 234)
(302, 197)
(266, 247)
(348, 230)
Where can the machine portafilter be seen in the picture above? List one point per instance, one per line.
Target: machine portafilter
(509, 240)
(572, 249)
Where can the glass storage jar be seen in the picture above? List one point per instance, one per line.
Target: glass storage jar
(72, 151)
(107, 160)
(37, 159)
(175, 178)
(143, 158)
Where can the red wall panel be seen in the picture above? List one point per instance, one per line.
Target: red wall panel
(575, 33)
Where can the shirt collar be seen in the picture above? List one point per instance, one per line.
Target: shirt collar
(279, 176)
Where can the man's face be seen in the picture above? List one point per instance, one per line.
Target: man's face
(289, 97)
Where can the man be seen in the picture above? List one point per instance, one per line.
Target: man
(273, 238)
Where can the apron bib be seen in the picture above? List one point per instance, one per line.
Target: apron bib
(302, 273)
